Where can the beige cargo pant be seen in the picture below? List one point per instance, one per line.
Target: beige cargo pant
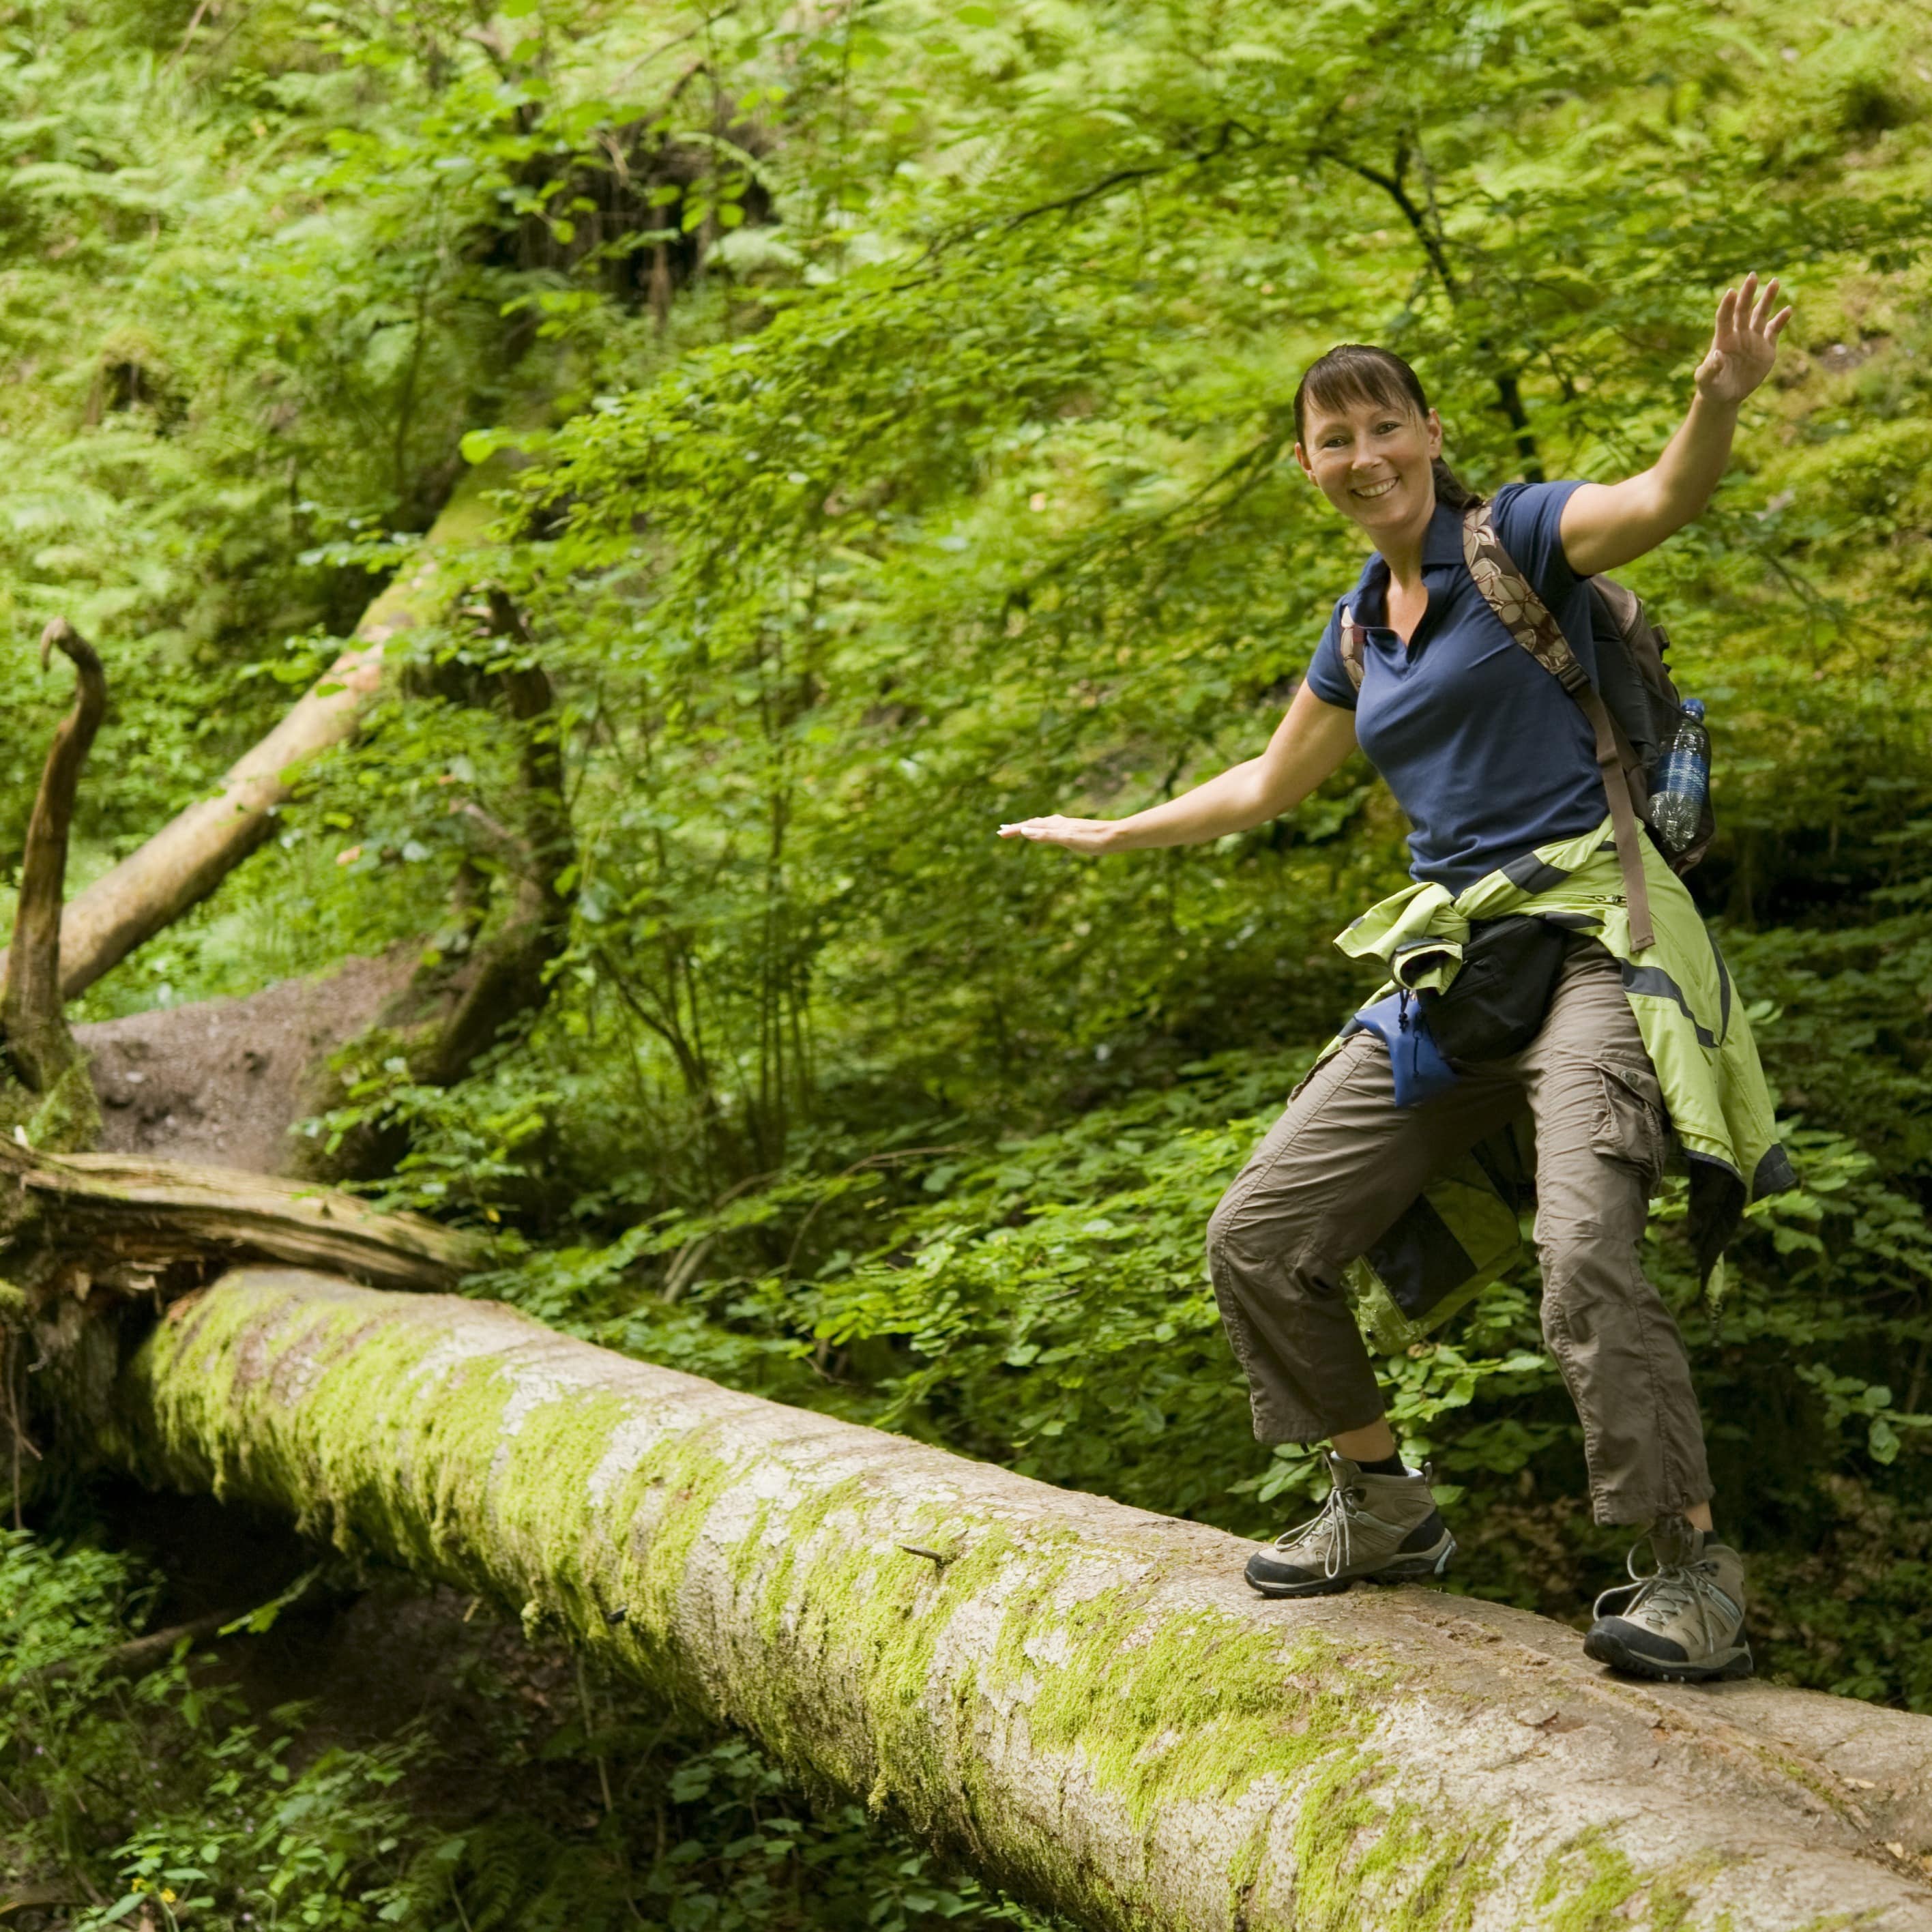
(1344, 1161)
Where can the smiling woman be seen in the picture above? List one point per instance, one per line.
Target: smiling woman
(1448, 701)
(1465, 664)
(1376, 450)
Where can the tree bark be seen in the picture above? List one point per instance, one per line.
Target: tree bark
(505, 983)
(451, 1012)
(68, 1223)
(1081, 1701)
(184, 861)
(31, 1022)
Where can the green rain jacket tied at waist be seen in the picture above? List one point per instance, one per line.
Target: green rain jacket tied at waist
(1463, 1230)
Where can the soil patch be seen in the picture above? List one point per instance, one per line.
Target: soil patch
(222, 1081)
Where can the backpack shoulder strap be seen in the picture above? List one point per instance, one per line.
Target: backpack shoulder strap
(1513, 598)
(1351, 646)
(1529, 619)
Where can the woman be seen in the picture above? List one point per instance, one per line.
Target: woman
(1496, 765)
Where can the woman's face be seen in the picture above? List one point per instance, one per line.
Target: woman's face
(1371, 461)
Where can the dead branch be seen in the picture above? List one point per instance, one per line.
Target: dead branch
(139, 1655)
(38, 1897)
(190, 855)
(31, 1020)
(505, 980)
(83, 1221)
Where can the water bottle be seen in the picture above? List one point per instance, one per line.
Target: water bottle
(1682, 780)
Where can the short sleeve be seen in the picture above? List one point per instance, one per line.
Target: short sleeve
(1528, 518)
(1327, 678)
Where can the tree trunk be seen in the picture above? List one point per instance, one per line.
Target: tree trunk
(452, 1011)
(190, 855)
(1081, 1701)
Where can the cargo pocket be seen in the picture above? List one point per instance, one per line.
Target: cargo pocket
(1631, 1126)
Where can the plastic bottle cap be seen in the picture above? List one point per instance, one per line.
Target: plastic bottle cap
(1693, 707)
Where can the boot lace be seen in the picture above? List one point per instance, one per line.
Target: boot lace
(1677, 1587)
(1331, 1526)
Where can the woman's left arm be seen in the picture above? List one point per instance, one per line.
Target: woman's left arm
(1606, 524)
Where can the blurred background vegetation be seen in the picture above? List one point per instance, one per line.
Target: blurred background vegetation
(900, 395)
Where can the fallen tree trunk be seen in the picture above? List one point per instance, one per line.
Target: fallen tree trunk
(190, 855)
(1081, 1701)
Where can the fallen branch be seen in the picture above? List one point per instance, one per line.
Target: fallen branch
(32, 1026)
(190, 855)
(39, 1898)
(1081, 1701)
(131, 1225)
(138, 1655)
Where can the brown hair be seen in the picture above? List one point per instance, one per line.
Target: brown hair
(1357, 372)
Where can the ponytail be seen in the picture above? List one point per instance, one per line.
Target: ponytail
(1451, 492)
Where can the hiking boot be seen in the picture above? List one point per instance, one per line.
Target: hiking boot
(1684, 1622)
(1384, 1529)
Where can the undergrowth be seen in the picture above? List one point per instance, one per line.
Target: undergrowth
(508, 1791)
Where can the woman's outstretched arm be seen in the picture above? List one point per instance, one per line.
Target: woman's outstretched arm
(1309, 743)
(1606, 524)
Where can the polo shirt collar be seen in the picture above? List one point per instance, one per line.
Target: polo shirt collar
(1442, 541)
(1442, 545)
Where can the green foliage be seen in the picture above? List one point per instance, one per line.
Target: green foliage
(156, 1792)
(164, 1800)
(953, 485)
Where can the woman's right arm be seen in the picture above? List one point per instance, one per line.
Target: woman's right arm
(1312, 741)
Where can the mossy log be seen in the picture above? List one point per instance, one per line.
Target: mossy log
(1081, 1701)
(70, 1221)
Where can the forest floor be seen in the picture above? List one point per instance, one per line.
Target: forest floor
(221, 1081)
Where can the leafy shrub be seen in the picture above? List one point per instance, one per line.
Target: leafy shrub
(161, 1801)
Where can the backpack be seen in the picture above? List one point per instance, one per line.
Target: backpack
(1633, 715)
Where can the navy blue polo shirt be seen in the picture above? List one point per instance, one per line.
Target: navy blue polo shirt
(1485, 752)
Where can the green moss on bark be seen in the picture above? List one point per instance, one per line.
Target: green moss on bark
(1589, 1886)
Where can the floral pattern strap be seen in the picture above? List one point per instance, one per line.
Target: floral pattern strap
(1527, 618)
(1513, 597)
(1353, 646)
(1508, 593)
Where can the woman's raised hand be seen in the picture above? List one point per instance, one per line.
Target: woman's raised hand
(1077, 835)
(1744, 343)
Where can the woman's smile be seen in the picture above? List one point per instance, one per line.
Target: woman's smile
(1371, 458)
